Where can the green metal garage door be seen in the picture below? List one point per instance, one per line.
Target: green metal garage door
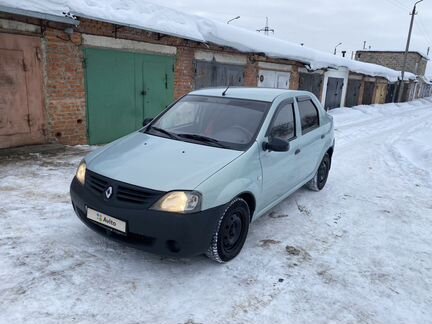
(123, 89)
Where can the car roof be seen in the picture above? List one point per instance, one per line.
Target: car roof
(260, 94)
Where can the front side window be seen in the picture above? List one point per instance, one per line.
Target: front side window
(308, 115)
(214, 121)
(283, 125)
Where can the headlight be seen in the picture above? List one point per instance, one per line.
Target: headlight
(81, 172)
(179, 202)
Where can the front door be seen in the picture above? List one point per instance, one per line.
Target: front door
(280, 169)
(334, 93)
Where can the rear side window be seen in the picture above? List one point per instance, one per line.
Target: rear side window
(283, 125)
(308, 115)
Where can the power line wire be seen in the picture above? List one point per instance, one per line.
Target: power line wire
(423, 27)
(397, 4)
(418, 23)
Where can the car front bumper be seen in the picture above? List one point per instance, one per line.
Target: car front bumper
(180, 235)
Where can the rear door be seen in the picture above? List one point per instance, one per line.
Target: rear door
(311, 142)
(280, 168)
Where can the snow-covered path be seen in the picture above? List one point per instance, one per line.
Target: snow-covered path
(360, 251)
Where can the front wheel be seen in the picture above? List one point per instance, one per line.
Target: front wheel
(231, 232)
(320, 179)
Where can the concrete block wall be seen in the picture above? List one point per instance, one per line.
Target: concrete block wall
(416, 63)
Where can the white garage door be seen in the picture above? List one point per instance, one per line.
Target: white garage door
(274, 79)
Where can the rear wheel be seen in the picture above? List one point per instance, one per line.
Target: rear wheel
(320, 179)
(231, 233)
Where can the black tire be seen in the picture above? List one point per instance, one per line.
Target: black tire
(231, 232)
(320, 179)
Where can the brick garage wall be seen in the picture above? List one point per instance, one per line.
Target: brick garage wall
(185, 71)
(295, 78)
(251, 73)
(64, 88)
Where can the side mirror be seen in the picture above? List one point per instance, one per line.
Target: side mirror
(276, 145)
(147, 121)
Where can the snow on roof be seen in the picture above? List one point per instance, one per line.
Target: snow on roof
(152, 17)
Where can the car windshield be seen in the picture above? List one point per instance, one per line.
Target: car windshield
(222, 122)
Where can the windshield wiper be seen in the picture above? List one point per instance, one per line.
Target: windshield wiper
(163, 131)
(201, 138)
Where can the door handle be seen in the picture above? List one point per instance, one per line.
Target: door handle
(297, 152)
(143, 93)
(322, 136)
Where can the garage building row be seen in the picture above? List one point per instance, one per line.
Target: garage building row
(91, 82)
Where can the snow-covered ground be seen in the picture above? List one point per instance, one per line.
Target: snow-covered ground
(360, 251)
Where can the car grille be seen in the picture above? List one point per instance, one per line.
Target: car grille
(96, 183)
(136, 196)
(123, 193)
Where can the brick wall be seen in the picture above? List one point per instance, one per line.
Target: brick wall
(185, 71)
(64, 88)
(295, 78)
(251, 73)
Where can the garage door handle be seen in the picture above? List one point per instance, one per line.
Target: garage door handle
(297, 152)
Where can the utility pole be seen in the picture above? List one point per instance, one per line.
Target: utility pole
(266, 29)
(413, 14)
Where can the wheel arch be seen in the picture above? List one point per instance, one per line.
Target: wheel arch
(250, 200)
(330, 153)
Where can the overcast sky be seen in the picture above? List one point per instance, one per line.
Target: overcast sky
(322, 24)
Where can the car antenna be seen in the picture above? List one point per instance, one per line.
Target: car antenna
(224, 93)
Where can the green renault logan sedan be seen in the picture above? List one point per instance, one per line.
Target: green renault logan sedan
(192, 180)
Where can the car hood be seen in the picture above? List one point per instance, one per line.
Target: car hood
(159, 163)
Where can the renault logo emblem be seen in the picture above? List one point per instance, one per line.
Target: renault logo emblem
(108, 192)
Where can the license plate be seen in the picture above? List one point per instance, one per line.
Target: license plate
(106, 220)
